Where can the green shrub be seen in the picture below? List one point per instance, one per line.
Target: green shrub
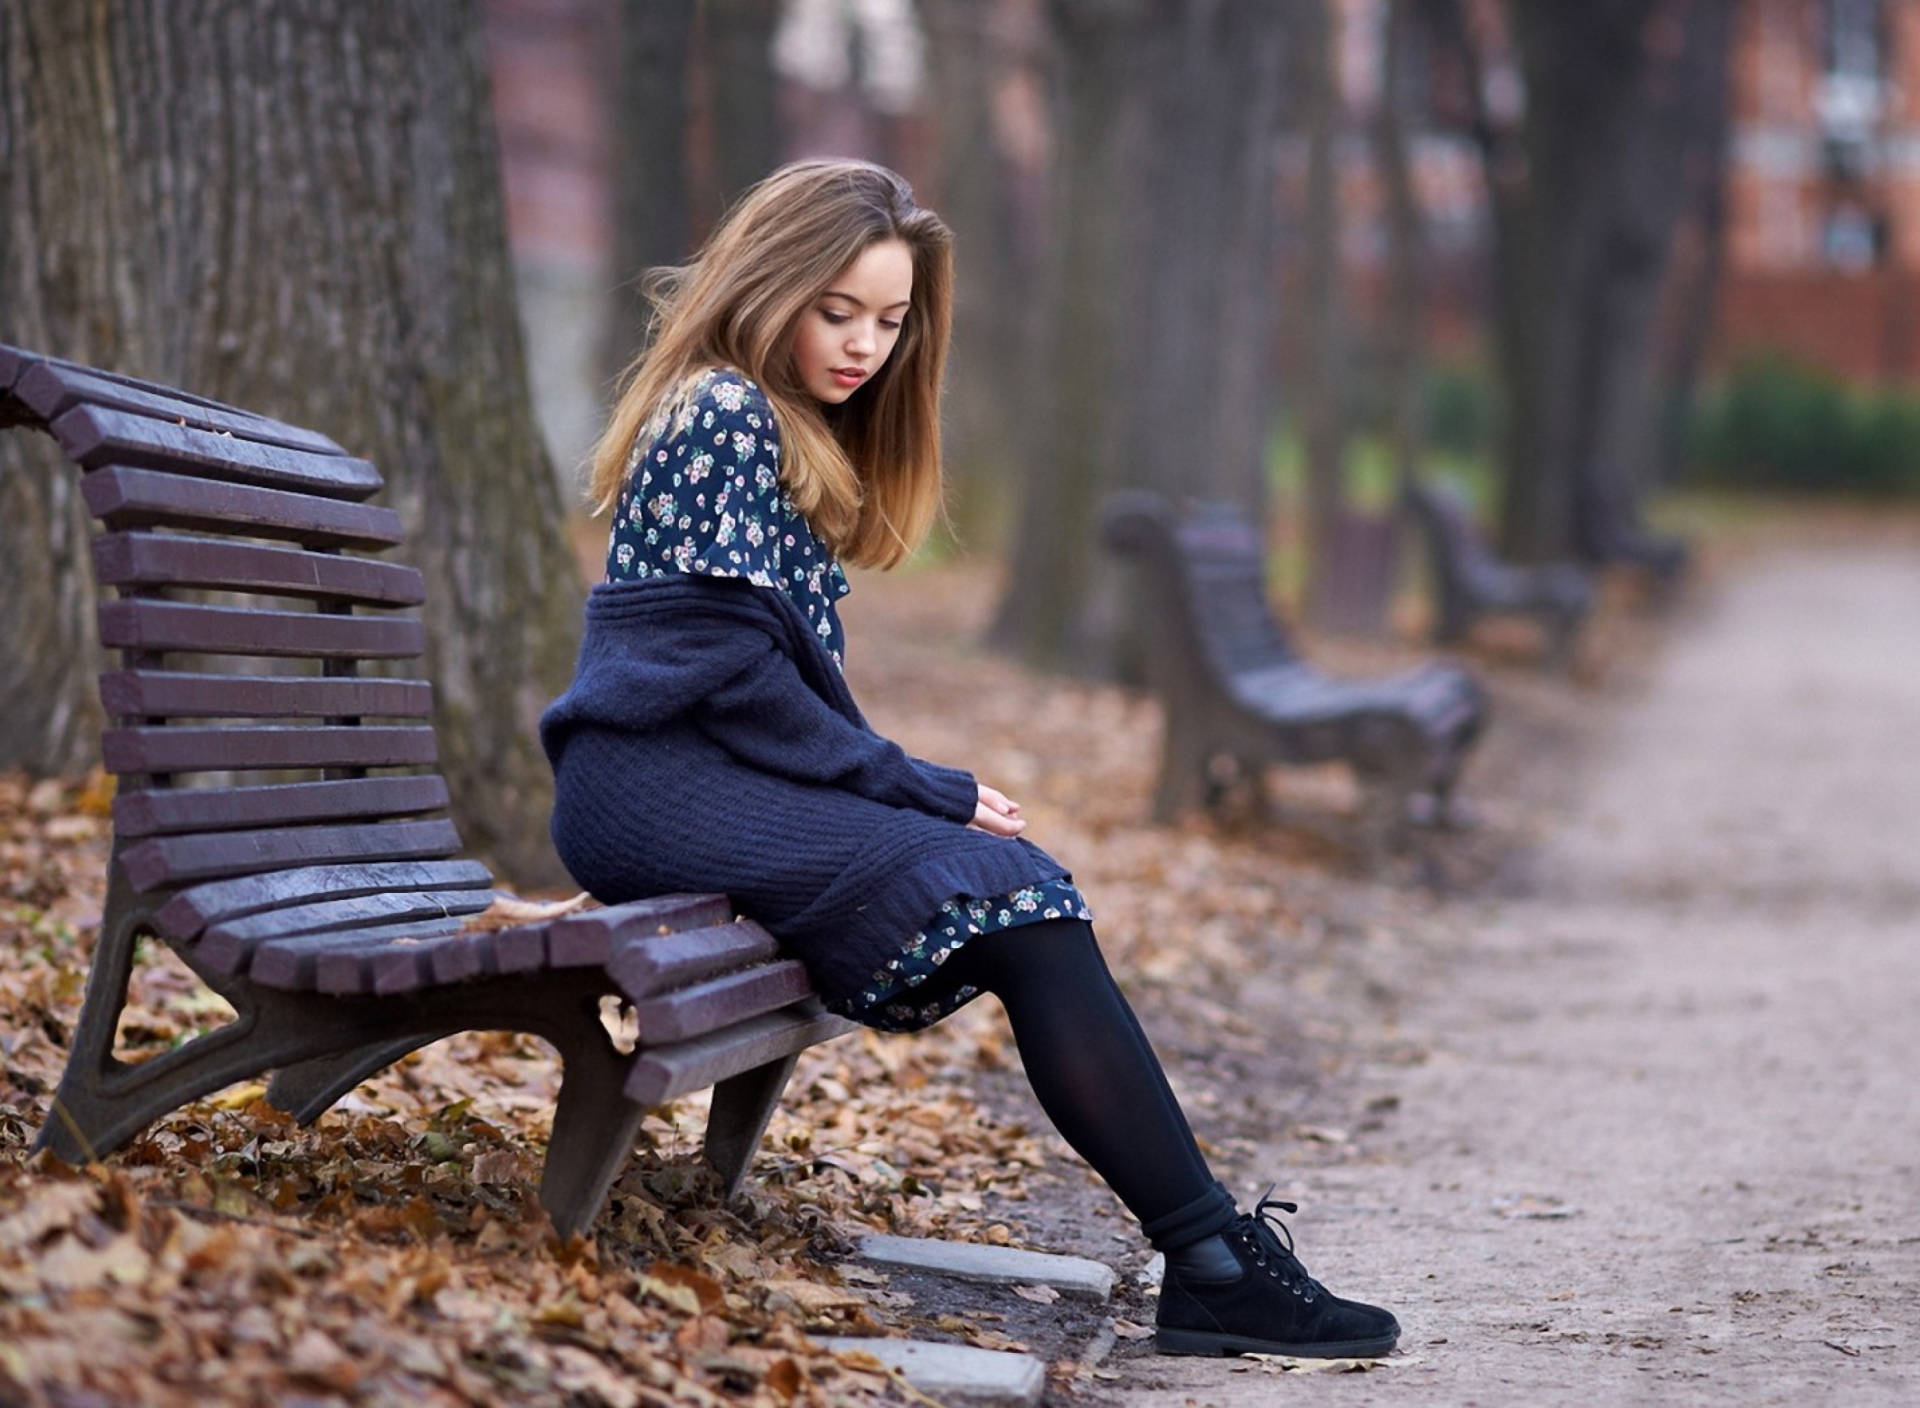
(1776, 423)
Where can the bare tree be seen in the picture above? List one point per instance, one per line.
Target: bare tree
(293, 206)
(652, 186)
(1586, 191)
(1158, 296)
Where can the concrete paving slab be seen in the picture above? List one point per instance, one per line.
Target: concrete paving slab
(955, 1373)
(994, 1266)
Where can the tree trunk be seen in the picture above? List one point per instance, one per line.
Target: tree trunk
(972, 50)
(1323, 420)
(652, 214)
(1403, 330)
(295, 207)
(1160, 311)
(744, 93)
(1618, 408)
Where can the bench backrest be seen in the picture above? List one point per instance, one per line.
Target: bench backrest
(1205, 581)
(1462, 561)
(270, 757)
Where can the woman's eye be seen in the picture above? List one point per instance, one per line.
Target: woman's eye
(890, 324)
(833, 316)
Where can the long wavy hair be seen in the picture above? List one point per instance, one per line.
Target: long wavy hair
(866, 473)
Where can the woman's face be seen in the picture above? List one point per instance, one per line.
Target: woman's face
(849, 331)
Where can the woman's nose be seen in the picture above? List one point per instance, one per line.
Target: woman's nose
(860, 336)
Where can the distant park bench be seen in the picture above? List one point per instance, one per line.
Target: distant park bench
(278, 825)
(1470, 583)
(1608, 532)
(1238, 696)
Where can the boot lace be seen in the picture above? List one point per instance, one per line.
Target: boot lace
(1267, 1237)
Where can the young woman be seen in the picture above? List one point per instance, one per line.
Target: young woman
(785, 419)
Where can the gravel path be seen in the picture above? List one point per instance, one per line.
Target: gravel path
(1654, 1126)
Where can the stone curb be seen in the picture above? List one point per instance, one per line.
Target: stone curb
(995, 1266)
(954, 1373)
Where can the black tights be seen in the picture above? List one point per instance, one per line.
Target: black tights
(1094, 1072)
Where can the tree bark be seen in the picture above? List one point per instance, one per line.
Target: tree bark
(744, 93)
(972, 50)
(295, 207)
(1585, 197)
(1323, 420)
(1160, 306)
(652, 212)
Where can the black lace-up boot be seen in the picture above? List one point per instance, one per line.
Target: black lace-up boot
(1242, 1291)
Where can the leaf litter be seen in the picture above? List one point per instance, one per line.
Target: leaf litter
(395, 1251)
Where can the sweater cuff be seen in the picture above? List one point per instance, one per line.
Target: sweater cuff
(951, 792)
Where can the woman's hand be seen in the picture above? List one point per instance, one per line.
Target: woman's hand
(996, 814)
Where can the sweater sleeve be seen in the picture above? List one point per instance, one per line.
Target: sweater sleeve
(766, 716)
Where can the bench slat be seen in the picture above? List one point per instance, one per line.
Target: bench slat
(178, 860)
(123, 497)
(95, 437)
(188, 913)
(214, 749)
(52, 388)
(168, 694)
(644, 967)
(336, 963)
(224, 946)
(151, 560)
(134, 624)
(162, 811)
(720, 1002)
(591, 937)
(663, 1073)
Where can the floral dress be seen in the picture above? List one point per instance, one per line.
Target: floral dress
(703, 494)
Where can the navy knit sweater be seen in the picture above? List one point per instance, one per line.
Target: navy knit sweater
(709, 743)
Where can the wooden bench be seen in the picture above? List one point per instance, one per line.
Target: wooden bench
(1469, 582)
(277, 823)
(1239, 699)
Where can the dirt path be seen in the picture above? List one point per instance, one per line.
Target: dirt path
(1654, 1126)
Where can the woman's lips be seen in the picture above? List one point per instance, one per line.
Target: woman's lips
(848, 376)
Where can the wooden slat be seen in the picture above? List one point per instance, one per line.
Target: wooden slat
(53, 388)
(643, 967)
(215, 749)
(125, 498)
(14, 363)
(95, 437)
(720, 1002)
(188, 913)
(590, 938)
(169, 694)
(134, 624)
(170, 811)
(662, 1073)
(154, 560)
(335, 963)
(460, 960)
(224, 946)
(180, 860)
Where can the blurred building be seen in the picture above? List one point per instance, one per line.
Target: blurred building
(1823, 237)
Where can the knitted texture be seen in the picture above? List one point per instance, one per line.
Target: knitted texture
(709, 743)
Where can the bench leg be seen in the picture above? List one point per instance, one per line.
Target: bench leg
(742, 1106)
(308, 1089)
(595, 1127)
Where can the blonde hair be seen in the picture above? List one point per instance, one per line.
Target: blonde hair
(866, 473)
